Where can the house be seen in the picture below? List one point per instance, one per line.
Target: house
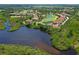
(35, 17)
(62, 17)
(54, 20)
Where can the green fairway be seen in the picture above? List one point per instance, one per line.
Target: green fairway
(49, 18)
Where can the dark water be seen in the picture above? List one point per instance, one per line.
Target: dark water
(24, 36)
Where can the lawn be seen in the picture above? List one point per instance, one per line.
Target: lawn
(10, 49)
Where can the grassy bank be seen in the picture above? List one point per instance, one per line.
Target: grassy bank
(19, 50)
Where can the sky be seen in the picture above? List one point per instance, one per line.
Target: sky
(39, 2)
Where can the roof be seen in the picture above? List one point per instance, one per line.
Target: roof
(60, 19)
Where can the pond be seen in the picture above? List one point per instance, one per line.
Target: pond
(24, 36)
